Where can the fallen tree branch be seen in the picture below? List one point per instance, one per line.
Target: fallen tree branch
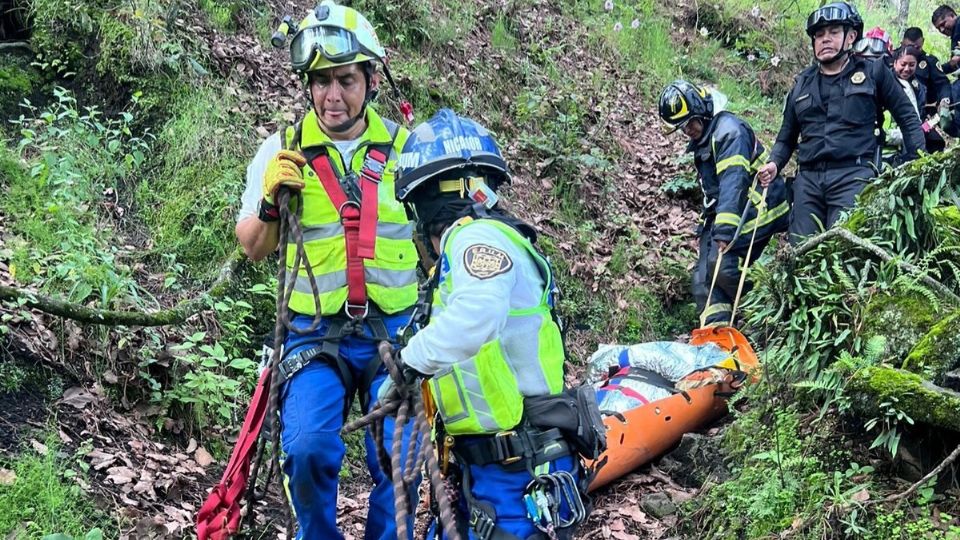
(932, 474)
(84, 314)
(16, 45)
(879, 252)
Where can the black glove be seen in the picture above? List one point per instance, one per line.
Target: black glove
(409, 375)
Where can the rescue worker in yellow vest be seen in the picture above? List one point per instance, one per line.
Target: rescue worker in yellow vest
(726, 154)
(341, 157)
(491, 342)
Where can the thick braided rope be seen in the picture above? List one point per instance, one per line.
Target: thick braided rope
(398, 403)
(290, 227)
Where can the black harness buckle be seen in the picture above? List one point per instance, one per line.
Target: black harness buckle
(482, 524)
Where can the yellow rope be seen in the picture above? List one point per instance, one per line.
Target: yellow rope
(746, 262)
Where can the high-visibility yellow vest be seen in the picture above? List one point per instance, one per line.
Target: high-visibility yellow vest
(481, 395)
(391, 276)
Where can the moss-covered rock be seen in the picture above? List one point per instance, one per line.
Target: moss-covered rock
(920, 399)
(16, 83)
(903, 319)
(938, 351)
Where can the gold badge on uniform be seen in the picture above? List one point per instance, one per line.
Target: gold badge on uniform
(922, 64)
(915, 83)
(483, 261)
(858, 77)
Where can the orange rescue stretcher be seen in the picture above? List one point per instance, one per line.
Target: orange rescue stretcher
(642, 434)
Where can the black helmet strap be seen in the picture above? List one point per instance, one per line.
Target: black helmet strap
(843, 51)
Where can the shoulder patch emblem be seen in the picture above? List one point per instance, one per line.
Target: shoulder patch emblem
(858, 77)
(922, 64)
(484, 262)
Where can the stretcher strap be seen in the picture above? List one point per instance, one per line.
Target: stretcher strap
(219, 517)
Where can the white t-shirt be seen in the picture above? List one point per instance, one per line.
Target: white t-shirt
(250, 200)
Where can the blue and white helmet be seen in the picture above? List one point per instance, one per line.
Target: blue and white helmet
(447, 146)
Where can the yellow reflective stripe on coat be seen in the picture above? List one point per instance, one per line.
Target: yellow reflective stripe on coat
(732, 161)
(767, 217)
(716, 308)
(760, 161)
(727, 218)
(391, 277)
(482, 394)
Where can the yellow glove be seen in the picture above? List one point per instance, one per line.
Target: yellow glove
(283, 170)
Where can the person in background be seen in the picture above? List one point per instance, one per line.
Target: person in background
(944, 19)
(830, 119)
(905, 60)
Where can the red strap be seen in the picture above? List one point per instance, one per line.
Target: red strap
(350, 218)
(219, 517)
(627, 391)
(328, 179)
(370, 174)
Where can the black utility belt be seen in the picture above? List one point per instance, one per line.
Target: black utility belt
(513, 449)
(836, 164)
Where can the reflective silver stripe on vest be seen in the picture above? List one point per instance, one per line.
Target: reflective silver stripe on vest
(471, 383)
(465, 411)
(521, 349)
(395, 231)
(335, 280)
(390, 278)
(325, 282)
(392, 231)
(321, 232)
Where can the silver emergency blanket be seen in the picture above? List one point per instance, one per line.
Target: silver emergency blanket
(671, 360)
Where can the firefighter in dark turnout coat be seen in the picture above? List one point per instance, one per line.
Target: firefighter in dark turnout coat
(726, 154)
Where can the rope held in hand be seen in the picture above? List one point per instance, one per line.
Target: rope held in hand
(399, 402)
(290, 228)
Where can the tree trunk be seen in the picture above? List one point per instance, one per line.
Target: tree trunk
(903, 12)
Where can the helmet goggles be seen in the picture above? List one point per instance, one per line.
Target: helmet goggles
(338, 45)
(830, 14)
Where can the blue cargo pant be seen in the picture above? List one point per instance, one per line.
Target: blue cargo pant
(504, 490)
(312, 416)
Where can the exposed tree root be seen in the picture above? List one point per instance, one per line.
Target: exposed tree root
(175, 315)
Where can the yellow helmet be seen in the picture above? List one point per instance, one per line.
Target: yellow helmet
(333, 35)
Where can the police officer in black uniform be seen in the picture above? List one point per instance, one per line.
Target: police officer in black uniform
(928, 68)
(944, 19)
(726, 154)
(830, 116)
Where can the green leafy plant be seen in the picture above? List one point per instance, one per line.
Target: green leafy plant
(78, 158)
(888, 425)
(219, 376)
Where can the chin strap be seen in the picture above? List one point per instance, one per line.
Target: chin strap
(406, 109)
(839, 55)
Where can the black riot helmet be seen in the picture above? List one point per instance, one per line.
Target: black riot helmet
(836, 13)
(842, 13)
(682, 101)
